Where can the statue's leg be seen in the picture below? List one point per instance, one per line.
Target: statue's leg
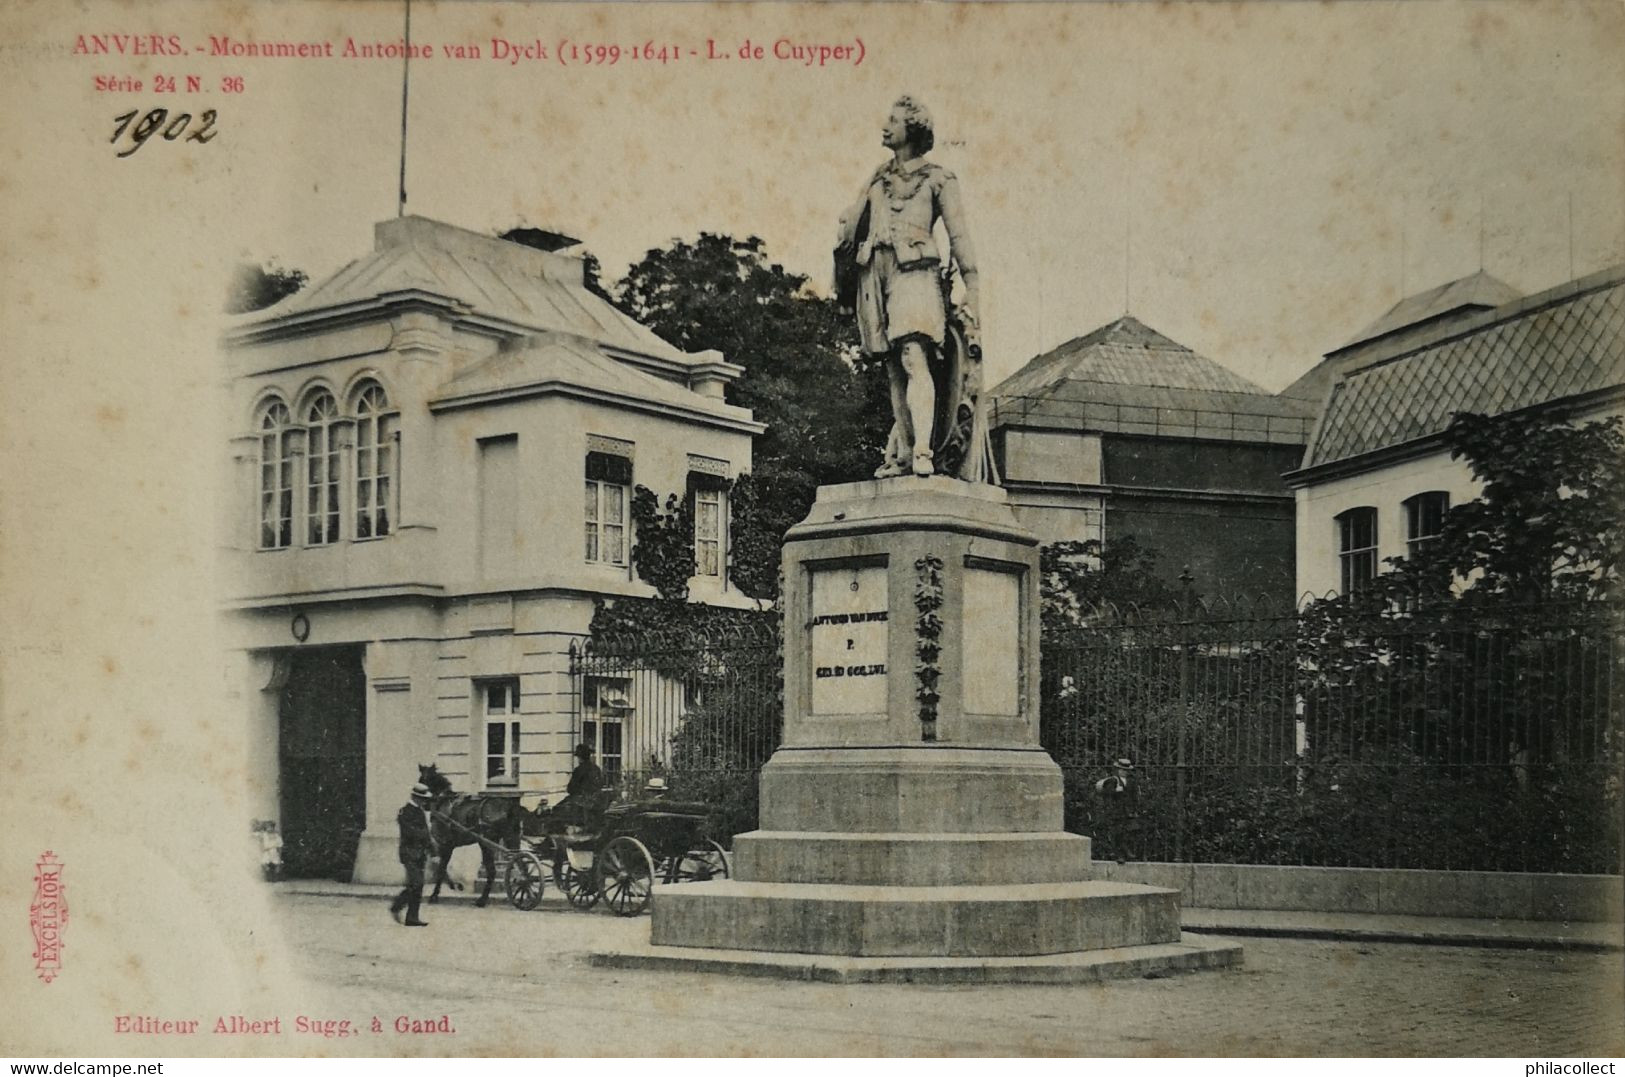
(922, 401)
(898, 380)
(895, 459)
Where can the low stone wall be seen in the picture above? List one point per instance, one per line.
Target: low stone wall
(1490, 895)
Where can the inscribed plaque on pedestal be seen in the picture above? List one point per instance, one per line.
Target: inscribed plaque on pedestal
(848, 632)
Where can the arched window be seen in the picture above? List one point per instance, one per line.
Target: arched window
(1424, 519)
(321, 471)
(276, 476)
(375, 461)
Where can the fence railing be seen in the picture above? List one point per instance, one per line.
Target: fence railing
(1472, 737)
(701, 708)
(1485, 738)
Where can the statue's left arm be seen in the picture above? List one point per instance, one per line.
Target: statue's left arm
(963, 253)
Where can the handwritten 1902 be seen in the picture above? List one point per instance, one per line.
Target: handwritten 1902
(158, 121)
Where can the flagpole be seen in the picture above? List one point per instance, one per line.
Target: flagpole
(406, 70)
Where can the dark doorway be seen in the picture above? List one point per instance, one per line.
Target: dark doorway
(322, 722)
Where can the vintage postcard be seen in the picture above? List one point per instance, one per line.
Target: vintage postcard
(403, 405)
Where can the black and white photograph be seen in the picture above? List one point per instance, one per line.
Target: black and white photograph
(734, 530)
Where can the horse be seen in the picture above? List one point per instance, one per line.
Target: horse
(461, 819)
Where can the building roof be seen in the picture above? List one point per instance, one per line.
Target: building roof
(1127, 378)
(1477, 292)
(1409, 323)
(563, 362)
(1565, 343)
(533, 289)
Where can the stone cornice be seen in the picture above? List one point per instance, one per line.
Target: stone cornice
(559, 387)
(461, 315)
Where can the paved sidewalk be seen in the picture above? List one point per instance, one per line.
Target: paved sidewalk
(1437, 930)
(522, 982)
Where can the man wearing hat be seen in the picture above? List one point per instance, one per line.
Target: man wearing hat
(417, 844)
(1119, 796)
(586, 781)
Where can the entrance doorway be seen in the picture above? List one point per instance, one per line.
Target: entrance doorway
(322, 726)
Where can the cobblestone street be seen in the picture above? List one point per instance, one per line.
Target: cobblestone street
(515, 982)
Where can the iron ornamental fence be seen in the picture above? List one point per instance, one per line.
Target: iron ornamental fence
(1473, 737)
(702, 709)
(1465, 736)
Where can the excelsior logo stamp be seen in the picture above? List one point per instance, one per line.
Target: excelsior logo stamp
(48, 916)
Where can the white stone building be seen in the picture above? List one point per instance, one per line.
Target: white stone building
(1377, 476)
(433, 454)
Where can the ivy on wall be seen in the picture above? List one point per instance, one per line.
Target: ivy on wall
(663, 553)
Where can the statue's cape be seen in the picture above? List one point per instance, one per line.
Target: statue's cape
(854, 230)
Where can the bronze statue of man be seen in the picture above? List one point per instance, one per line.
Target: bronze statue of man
(889, 269)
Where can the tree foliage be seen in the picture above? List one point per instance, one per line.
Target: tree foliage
(1526, 561)
(799, 352)
(825, 408)
(1460, 711)
(762, 507)
(255, 287)
(1548, 524)
(1077, 580)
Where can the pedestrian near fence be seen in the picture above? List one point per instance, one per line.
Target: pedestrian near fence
(1118, 798)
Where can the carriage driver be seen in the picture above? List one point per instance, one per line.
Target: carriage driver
(417, 845)
(586, 781)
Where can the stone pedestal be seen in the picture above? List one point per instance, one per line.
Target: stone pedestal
(910, 823)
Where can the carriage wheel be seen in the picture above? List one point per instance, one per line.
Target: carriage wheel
(699, 864)
(576, 886)
(523, 880)
(626, 876)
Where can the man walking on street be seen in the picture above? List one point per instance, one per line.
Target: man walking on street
(417, 845)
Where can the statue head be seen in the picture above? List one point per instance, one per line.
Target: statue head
(915, 121)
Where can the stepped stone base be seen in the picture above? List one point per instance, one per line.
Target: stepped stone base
(911, 789)
(905, 842)
(1190, 953)
(917, 921)
(910, 859)
(913, 852)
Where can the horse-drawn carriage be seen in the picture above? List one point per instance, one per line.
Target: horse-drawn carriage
(595, 850)
(614, 852)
